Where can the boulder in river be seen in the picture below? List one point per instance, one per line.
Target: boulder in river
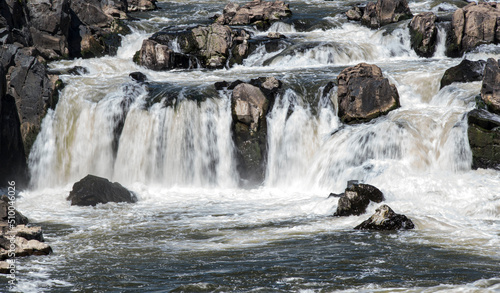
(386, 219)
(257, 12)
(383, 12)
(356, 199)
(484, 139)
(473, 25)
(141, 5)
(490, 90)
(364, 94)
(92, 190)
(423, 33)
(466, 71)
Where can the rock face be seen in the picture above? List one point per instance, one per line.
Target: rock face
(250, 104)
(356, 199)
(258, 12)
(466, 71)
(423, 32)
(364, 94)
(375, 15)
(141, 5)
(386, 219)
(490, 90)
(92, 190)
(210, 46)
(473, 25)
(484, 139)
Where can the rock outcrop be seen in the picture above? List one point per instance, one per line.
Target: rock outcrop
(386, 219)
(141, 5)
(259, 13)
(490, 90)
(473, 25)
(364, 94)
(423, 33)
(92, 190)
(466, 71)
(211, 46)
(484, 139)
(356, 199)
(383, 12)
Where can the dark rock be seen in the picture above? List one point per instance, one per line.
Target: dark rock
(375, 15)
(466, 71)
(364, 94)
(490, 90)
(356, 199)
(92, 190)
(386, 219)
(471, 26)
(484, 139)
(141, 5)
(19, 219)
(138, 76)
(156, 56)
(423, 32)
(258, 12)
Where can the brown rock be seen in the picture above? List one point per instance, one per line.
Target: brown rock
(384, 12)
(423, 33)
(254, 12)
(490, 90)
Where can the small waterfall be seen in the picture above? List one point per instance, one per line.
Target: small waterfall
(441, 42)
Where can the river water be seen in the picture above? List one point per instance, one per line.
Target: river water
(194, 230)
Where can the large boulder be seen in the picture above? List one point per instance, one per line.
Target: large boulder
(92, 190)
(211, 46)
(473, 25)
(423, 33)
(364, 94)
(141, 5)
(386, 219)
(484, 139)
(383, 12)
(14, 23)
(356, 199)
(258, 12)
(466, 71)
(490, 90)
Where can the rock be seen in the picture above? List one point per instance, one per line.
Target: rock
(473, 25)
(141, 5)
(275, 35)
(26, 247)
(386, 219)
(364, 94)
(4, 267)
(356, 199)
(138, 76)
(484, 139)
(75, 70)
(28, 233)
(375, 15)
(92, 190)
(423, 32)
(257, 12)
(466, 71)
(19, 219)
(156, 56)
(14, 23)
(490, 90)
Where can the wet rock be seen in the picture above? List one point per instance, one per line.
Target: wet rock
(92, 190)
(275, 35)
(383, 12)
(138, 76)
(484, 139)
(258, 12)
(471, 26)
(423, 32)
(364, 94)
(15, 215)
(490, 90)
(141, 5)
(156, 56)
(386, 219)
(356, 199)
(466, 71)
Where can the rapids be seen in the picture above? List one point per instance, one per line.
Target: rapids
(194, 230)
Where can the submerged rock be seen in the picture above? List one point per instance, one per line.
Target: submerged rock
(466, 71)
(364, 94)
(383, 12)
(92, 190)
(356, 199)
(484, 139)
(490, 90)
(386, 219)
(258, 12)
(423, 32)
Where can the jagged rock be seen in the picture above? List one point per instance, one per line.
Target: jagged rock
(257, 12)
(423, 32)
(386, 219)
(484, 139)
(19, 219)
(490, 90)
(466, 71)
(364, 94)
(156, 56)
(383, 12)
(141, 5)
(14, 23)
(92, 190)
(356, 199)
(473, 25)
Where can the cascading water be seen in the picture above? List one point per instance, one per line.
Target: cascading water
(194, 230)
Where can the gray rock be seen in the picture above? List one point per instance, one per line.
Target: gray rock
(466, 71)
(92, 190)
(258, 12)
(423, 32)
(484, 139)
(381, 13)
(490, 90)
(386, 219)
(141, 5)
